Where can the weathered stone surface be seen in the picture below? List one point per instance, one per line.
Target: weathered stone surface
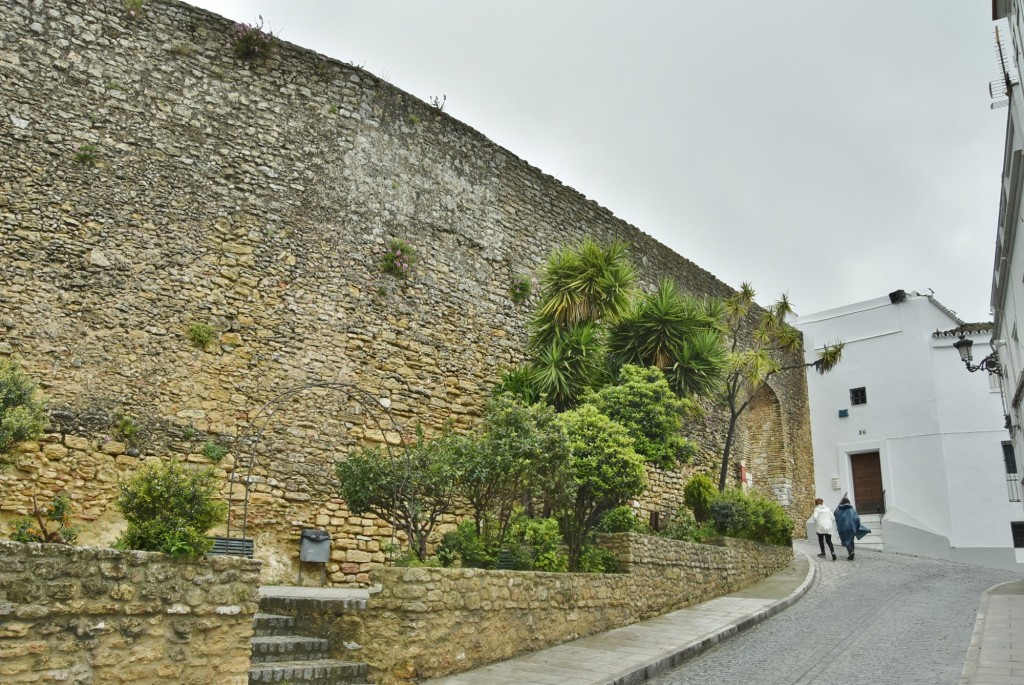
(259, 199)
(435, 621)
(103, 636)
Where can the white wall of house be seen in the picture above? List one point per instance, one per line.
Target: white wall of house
(937, 428)
(1008, 268)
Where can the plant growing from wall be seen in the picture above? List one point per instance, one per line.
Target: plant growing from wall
(521, 289)
(250, 43)
(86, 154)
(134, 8)
(398, 259)
(410, 492)
(214, 451)
(52, 524)
(200, 334)
(749, 366)
(22, 416)
(169, 508)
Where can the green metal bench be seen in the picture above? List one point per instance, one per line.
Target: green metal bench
(233, 547)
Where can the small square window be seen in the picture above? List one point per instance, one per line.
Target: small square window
(858, 396)
(1017, 528)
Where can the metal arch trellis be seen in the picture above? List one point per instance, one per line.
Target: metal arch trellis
(246, 442)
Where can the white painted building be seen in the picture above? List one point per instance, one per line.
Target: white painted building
(1008, 272)
(916, 441)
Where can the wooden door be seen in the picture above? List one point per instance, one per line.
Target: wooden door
(867, 483)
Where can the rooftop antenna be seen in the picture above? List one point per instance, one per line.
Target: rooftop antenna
(999, 89)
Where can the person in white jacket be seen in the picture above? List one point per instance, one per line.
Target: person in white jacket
(825, 524)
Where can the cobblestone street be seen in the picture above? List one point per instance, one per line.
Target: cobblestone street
(884, 618)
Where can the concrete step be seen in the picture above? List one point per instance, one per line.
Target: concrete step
(272, 624)
(276, 648)
(875, 540)
(322, 672)
(297, 601)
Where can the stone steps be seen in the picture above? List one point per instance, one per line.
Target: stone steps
(273, 624)
(287, 648)
(281, 655)
(319, 672)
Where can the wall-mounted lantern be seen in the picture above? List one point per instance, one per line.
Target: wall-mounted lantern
(989, 363)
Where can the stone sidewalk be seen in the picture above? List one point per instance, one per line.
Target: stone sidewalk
(634, 653)
(996, 653)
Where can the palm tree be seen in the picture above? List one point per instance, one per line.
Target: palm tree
(676, 333)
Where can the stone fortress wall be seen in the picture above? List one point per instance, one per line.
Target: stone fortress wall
(151, 181)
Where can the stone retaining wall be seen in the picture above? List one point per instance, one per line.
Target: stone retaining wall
(428, 622)
(152, 182)
(89, 616)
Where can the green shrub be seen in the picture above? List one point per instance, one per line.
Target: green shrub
(622, 520)
(752, 517)
(643, 402)
(199, 334)
(682, 526)
(698, 494)
(170, 509)
(536, 544)
(464, 545)
(22, 417)
(597, 560)
(213, 451)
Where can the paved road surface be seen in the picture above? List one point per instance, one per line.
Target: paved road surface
(881, 619)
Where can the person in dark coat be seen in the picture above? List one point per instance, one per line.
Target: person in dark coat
(849, 525)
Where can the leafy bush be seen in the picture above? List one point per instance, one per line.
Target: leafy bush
(36, 528)
(752, 517)
(682, 526)
(622, 520)
(536, 544)
(170, 509)
(399, 259)
(698, 494)
(597, 560)
(730, 513)
(465, 545)
(22, 417)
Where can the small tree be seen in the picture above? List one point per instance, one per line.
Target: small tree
(749, 368)
(52, 524)
(22, 417)
(409, 492)
(605, 473)
(643, 403)
(516, 454)
(170, 508)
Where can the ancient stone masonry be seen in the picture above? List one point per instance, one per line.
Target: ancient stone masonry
(84, 615)
(428, 622)
(152, 182)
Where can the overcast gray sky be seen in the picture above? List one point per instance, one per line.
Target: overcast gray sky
(833, 150)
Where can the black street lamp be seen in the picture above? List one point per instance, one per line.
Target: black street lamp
(989, 363)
